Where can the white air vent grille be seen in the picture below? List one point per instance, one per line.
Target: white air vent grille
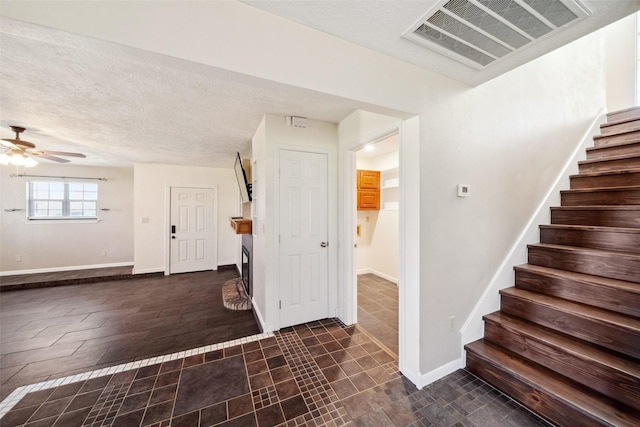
(480, 32)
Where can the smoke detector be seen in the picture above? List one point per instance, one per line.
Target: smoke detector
(480, 33)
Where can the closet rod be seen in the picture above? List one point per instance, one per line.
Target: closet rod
(13, 175)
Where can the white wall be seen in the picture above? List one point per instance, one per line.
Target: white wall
(508, 139)
(151, 201)
(621, 39)
(58, 245)
(272, 135)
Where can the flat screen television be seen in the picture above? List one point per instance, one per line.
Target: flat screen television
(243, 181)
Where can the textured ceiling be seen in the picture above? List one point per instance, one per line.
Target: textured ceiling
(120, 105)
(380, 24)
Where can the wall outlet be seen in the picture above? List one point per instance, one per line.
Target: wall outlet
(145, 220)
(103, 252)
(452, 323)
(18, 258)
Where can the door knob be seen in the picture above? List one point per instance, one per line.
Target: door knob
(324, 244)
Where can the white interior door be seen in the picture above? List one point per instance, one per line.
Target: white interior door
(303, 226)
(193, 235)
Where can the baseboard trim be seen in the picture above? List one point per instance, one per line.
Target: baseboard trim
(441, 372)
(68, 268)
(379, 274)
(147, 270)
(257, 315)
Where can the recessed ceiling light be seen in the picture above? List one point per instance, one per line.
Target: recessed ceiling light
(369, 147)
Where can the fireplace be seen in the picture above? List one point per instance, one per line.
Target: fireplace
(247, 264)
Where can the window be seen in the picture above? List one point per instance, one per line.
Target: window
(62, 200)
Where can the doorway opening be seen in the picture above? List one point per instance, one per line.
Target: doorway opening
(377, 239)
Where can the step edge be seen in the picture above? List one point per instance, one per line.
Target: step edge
(578, 405)
(632, 255)
(585, 352)
(601, 315)
(619, 121)
(629, 171)
(594, 228)
(608, 159)
(598, 207)
(611, 146)
(601, 189)
(589, 279)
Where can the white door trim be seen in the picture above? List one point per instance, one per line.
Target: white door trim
(167, 224)
(409, 241)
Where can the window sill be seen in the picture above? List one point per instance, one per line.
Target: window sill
(63, 221)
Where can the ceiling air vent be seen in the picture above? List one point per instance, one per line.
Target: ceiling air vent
(481, 32)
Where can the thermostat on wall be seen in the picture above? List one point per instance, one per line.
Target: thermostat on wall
(464, 190)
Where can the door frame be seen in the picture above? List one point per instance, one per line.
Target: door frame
(332, 235)
(167, 223)
(409, 240)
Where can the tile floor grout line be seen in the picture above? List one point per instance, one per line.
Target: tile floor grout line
(12, 399)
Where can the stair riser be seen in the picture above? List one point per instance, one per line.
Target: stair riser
(602, 378)
(595, 239)
(583, 292)
(618, 180)
(616, 150)
(625, 138)
(595, 197)
(610, 165)
(614, 337)
(543, 404)
(626, 218)
(627, 114)
(620, 128)
(611, 265)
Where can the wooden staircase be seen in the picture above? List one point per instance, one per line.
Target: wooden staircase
(566, 341)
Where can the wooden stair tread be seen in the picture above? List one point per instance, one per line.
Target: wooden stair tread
(591, 190)
(619, 121)
(609, 159)
(595, 228)
(578, 249)
(612, 146)
(582, 310)
(634, 111)
(582, 277)
(585, 401)
(605, 173)
(617, 127)
(599, 207)
(574, 346)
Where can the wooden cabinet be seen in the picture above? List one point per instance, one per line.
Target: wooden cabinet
(368, 183)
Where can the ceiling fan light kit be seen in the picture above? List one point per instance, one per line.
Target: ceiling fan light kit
(21, 152)
(15, 157)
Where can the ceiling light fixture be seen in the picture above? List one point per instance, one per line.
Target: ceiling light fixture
(369, 147)
(17, 158)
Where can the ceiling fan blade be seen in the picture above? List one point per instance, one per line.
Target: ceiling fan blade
(48, 157)
(9, 143)
(63, 153)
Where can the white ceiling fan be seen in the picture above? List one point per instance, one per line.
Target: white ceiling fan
(22, 153)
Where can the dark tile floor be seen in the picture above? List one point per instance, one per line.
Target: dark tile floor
(59, 331)
(378, 309)
(321, 373)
